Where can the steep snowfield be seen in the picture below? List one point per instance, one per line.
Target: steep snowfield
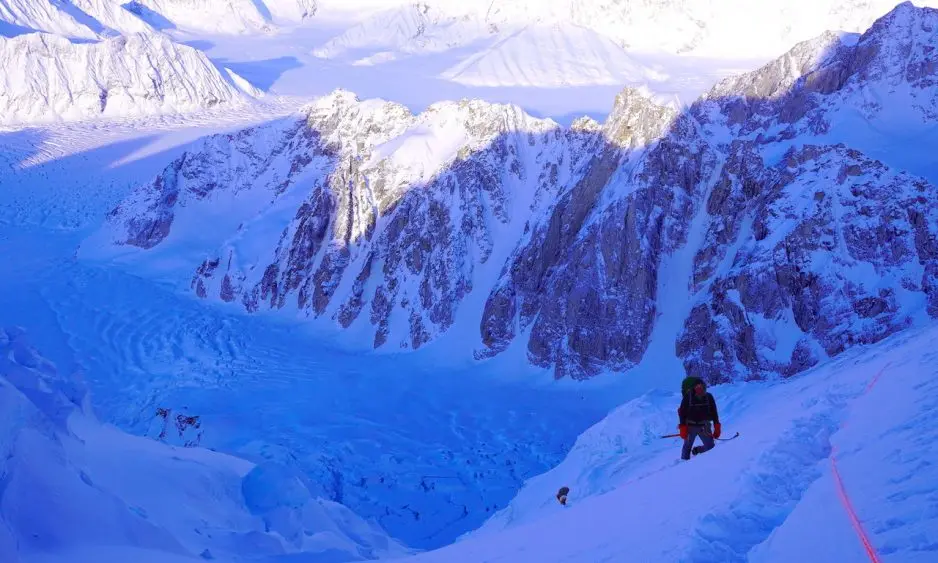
(215, 16)
(588, 42)
(861, 425)
(75, 489)
(48, 78)
(111, 15)
(80, 19)
(552, 56)
(24, 16)
(291, 10)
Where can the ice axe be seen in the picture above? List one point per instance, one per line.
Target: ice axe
(736, 435)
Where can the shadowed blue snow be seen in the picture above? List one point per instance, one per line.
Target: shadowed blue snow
(75, 490)
(768, 496)
(428, 454)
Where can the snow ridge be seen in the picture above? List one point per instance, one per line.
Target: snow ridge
(565, 42)
(48, 78)
(344, 215)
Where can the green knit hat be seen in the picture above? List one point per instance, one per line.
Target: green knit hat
(690, 382)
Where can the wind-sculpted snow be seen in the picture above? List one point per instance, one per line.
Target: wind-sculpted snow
(76, 489)
(224, 16)
(25, 16)
(97, 19)
(403, 228)
(48, 78)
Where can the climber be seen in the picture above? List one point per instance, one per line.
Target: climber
(698, 409)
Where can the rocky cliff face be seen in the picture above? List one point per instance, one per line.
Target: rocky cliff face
(391, 215)
(823, 248)
(797, 245)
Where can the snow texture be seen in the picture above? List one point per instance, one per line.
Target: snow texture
(570, 42)
(75, 489)
(46, 78)
(768, 496)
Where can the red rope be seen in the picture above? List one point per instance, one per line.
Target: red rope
(848, 506)
(842, 491)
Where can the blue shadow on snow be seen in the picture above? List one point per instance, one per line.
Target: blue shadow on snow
(262, 74)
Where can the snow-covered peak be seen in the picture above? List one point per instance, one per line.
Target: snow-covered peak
(291, 10)
(24, 16)
(777, 77)
(900, 46)
(636, 118)
(47, 78)
(215, 16)
(803, 466)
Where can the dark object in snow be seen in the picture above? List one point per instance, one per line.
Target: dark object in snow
(562, 495)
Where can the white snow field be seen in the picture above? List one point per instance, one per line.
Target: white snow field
(836, 464)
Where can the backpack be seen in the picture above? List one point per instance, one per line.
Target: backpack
(689, 383)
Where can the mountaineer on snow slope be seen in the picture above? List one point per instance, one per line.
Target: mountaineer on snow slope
(698, 409)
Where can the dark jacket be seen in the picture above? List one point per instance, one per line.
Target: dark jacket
(698, 409)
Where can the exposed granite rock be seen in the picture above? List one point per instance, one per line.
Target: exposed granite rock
(816, 266)
(368, 215)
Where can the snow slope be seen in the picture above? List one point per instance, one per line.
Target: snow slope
(550, 43)
(24, 16)
(861, 423)
(557, 55)
(46, 78)
(75, 489)
(108, 17)
(223, 16)
(216, 16)
(78, 19)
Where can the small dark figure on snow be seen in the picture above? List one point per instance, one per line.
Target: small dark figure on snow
(698, 409)
(562, 495)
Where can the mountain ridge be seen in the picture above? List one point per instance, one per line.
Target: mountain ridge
(578, 284)
(49, 78)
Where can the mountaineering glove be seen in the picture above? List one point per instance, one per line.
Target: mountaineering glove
(716, 430)
(683, 429)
